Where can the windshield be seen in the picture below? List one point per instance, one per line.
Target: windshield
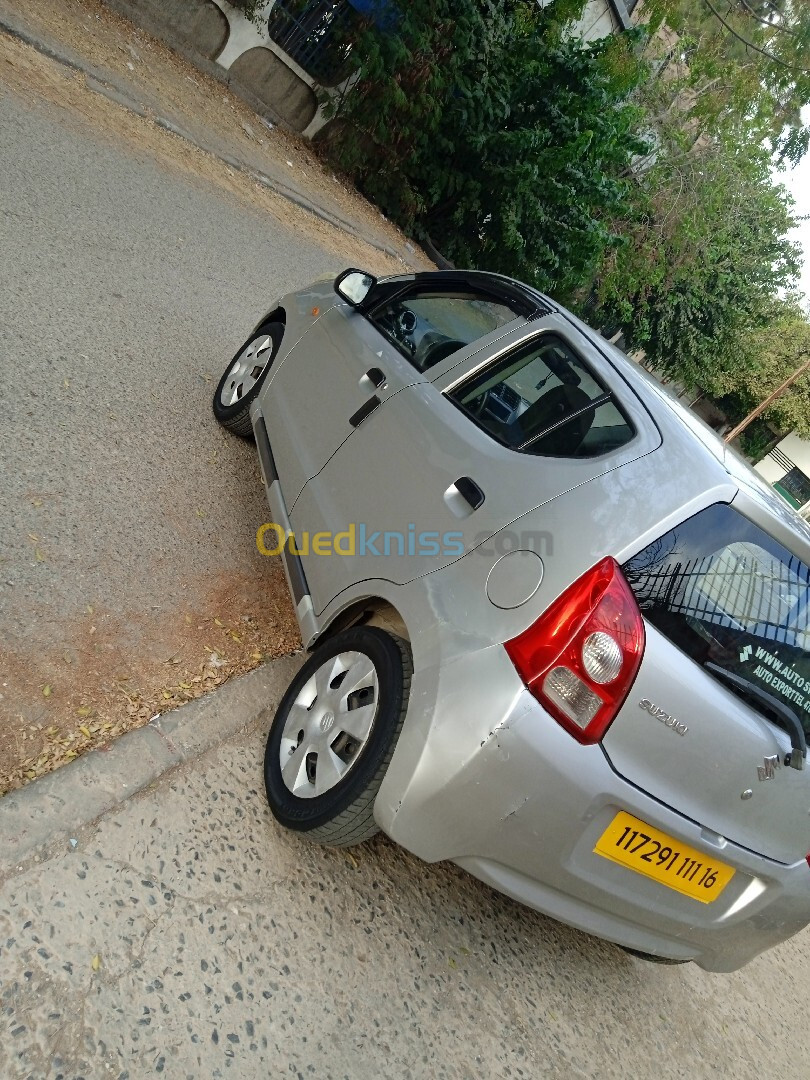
(727, 593)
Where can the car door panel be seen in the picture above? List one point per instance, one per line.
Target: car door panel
(339, 370)
(420, 469)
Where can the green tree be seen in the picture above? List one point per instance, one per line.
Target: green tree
(776, 351)
(704, 255)
(483, 126)
(742, 58)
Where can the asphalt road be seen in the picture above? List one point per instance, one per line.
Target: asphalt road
(123, 291)
(127, 516)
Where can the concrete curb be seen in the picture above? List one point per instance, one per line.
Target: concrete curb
(104, 84)
(56, 806)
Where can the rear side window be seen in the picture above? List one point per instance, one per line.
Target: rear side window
(542, 399)
(727, 593)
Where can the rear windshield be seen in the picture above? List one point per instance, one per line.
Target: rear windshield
(727, 593)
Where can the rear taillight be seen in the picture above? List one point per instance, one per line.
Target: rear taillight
(582, 655)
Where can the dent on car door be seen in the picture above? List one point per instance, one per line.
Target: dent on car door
(435, 472)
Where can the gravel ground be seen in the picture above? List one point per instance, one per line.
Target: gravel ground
(132, 268)
(187, 934)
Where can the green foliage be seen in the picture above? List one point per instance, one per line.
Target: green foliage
(706, 247)
(483, 126)
(757, 439)
(486, 127)
(705, 253)
(775, 352)
(744, 58)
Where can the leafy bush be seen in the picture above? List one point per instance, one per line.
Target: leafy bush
(482, 126)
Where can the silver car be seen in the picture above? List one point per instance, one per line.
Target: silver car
(558, 633)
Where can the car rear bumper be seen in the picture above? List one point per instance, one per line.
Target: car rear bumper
(506, 793)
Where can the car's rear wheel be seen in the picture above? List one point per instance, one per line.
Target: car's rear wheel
(334, 733)
(651, 958)
(243, 378)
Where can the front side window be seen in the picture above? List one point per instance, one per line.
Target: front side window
(429, 325)
(734, 599)
(543, 399)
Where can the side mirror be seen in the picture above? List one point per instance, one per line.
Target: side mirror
(354, 286)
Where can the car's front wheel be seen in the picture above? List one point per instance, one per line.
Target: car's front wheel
(243, 378)
(334, 733)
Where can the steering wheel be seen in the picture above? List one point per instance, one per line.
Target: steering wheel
(406, 321)
(475, 406)
(436, 351)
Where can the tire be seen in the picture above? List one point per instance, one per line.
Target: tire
(347, 766)
(243, 378)
(651, 958)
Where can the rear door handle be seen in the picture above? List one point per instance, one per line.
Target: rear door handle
(365, 410)
(470, 491)
(463, 497)
(374, 379)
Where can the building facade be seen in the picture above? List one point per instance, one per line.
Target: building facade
(787, 467)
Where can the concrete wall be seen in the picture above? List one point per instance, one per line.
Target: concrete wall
(798, 451)
(216, 36)
(198, 23)
(600, 18)
(267, 76)
(598, 21)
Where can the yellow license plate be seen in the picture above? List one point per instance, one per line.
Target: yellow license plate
(632, 843)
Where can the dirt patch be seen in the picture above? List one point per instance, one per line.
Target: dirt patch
(169, 85)
(29, 73)
(113, 672)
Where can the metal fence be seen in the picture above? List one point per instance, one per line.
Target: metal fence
(316, 34)
(760, 596)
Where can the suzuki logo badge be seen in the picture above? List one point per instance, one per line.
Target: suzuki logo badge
(767, 771)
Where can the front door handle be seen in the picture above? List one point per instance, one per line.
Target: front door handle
(374, 379)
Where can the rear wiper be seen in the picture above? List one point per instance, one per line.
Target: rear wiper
(778, 710)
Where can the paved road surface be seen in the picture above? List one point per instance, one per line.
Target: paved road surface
(127, 516)
(121, 289)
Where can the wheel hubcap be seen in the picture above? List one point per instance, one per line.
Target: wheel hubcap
(329, 724)
(247, 370)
